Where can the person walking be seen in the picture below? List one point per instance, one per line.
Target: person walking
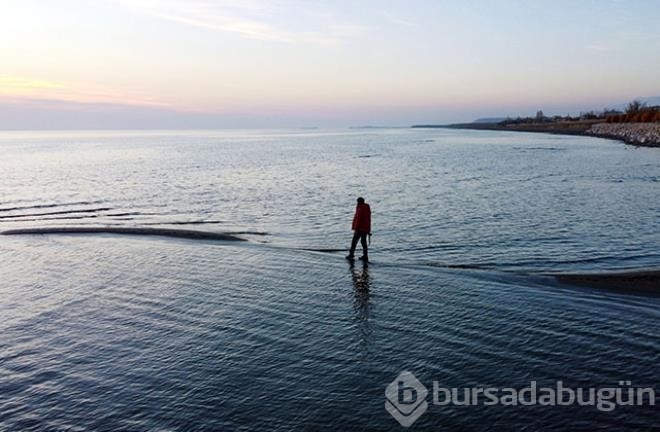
(361, 229)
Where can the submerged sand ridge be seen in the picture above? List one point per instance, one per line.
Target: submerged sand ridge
(634, 282)
(139, 231)
(630, 282)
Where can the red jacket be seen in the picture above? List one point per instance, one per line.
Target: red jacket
(362, 218)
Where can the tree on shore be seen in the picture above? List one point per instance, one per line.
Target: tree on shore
(635, 107)
(636, 112)
(539, 116)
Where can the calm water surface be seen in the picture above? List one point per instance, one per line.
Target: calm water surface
(109, 332)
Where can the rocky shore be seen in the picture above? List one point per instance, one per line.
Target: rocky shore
(639, 134)
(642, 134)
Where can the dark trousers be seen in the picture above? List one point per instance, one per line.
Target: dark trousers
(362, 236)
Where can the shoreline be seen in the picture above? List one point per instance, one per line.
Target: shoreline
(636, 134)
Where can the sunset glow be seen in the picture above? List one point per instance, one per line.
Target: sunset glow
(287, 63)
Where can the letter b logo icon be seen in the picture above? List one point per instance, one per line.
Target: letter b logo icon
(406, 398)
(407, 395)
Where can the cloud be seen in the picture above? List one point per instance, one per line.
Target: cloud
(397, 20)
(12, 84)
(219, 16)
(600, 47)
(253, 19)
(623, 40)
(16, 89)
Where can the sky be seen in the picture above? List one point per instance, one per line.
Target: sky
(168, 64)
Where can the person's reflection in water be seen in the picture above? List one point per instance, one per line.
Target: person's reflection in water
(361, 289)
(362, 306)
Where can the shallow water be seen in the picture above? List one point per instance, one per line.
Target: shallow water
(107, 332)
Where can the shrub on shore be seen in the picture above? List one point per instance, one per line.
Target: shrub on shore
(636, 112)
(647, 115)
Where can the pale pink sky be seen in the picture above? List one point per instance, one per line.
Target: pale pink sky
(288, 63)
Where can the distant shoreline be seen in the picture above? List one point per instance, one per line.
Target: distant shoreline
(637, 134)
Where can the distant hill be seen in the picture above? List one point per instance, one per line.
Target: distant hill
(651, 101)
(489, 120)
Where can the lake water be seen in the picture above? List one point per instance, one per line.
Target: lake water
(120, 332)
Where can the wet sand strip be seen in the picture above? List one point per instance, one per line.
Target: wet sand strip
(645, 281)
